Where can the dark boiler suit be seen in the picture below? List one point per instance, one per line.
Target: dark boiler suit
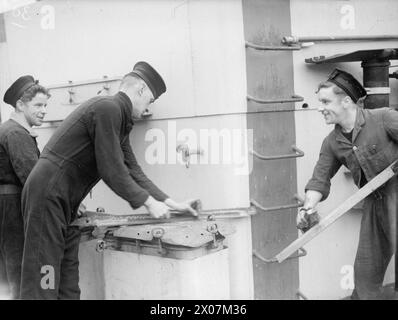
(18, 155)
(92, 143)
(374, 146)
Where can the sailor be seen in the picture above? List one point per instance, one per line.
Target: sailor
(92, 143)
(18, 155)
(366, 142)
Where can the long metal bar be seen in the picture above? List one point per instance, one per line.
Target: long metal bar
(276, 208)
(270, 48)
(94, 219)
(82, 83)
(54, 122)
(297, 153)
(302, 253)
(294, 40)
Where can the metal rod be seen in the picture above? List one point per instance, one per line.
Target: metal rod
(106, 220)
(294, 98)
(82, 83)
(272, 260)
(260, 257)
(264, 48)
(56, 121)
(276, 208)
(292, 40)
(298, 153)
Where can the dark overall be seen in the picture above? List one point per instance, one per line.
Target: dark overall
(374, 147)
(18, 155)
(92, 143)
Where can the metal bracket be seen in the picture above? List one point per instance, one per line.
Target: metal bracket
(106, 87)
(299, 203)
(105, 79)
(71, 87)
(100, 246)
(298, 153)
(301, 295)
(293, 98)
(272, 260)
(138, 245)
(213, 229)
(278, 48)
(72, 93)
(158, 233)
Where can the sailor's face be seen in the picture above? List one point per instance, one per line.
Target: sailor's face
(35, 109)
(331, 106)
(143, 102)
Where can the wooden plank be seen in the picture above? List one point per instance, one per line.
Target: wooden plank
(362, 193)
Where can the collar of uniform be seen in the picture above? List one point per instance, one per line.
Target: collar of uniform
(23, 124)
(359, 122)
(127, 106)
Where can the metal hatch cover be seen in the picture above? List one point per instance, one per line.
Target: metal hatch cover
(192, 234)
(360, 55)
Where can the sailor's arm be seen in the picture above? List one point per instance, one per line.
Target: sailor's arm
(318, 188)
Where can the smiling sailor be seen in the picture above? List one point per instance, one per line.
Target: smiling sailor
(18, 155)
(366, 142)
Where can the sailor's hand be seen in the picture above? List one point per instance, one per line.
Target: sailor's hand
(157, 209)
(185, 206)
(81, 210)
(307, 218)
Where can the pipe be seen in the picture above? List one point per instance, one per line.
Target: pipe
(262, 47)
(293, 40)
(55, 122)
(376, 77)
(293, 98)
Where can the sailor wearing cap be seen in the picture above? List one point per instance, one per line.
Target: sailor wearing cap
(92, 143)
(366, 142)
(18, 155)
